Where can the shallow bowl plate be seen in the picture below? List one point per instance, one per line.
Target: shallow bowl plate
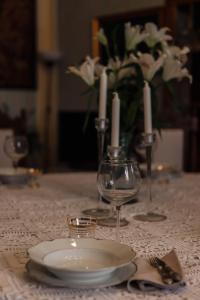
(81, 258)
(42, 275)
(12, 176)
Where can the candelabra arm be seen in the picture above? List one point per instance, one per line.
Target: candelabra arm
(148, 140)
(149, 162)
(101, 126)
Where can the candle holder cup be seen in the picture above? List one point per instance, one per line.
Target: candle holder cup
(148, 139)
(115, 153)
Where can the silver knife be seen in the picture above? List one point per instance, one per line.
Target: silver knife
(176, 277)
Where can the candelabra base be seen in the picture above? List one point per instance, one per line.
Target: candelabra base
(150, 217)
(97, 212)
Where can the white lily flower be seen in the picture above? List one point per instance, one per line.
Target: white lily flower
(86, 70)
(126, 70)
(133, 36)
(111, 80)
(119, 70)
(98, 68)
(116, 64)
(156, 36)
(148, 64)
(113, 66)
(173, 70)
(102, 37)
(178, 53)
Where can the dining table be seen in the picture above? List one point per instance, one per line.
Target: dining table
(30, 214)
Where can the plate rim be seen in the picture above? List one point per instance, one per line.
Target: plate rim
(106, 282)
(132, 255)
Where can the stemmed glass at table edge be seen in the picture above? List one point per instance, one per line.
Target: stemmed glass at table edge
(118, 181)
(147, 141)
(16, 148)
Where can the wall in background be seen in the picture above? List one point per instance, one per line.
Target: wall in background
(17, 44)
(13, 101)
(75, 39)
(17, 58)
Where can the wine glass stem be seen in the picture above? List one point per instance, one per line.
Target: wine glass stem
(99, 200)
(118, 210)
(15, 165)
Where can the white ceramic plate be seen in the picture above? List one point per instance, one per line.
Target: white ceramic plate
(12, 176)
(42, 275)
(81, 258)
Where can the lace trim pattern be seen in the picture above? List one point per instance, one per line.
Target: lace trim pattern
(31, 215)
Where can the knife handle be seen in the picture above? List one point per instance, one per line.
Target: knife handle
(174, 275)
(166, 277)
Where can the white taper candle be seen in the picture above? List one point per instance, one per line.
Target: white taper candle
(147, 108)
(115, 120)
(103, 95)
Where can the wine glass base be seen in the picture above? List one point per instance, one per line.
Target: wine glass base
(150, 217)
(111, 222)
(97, 212)
(132, 201)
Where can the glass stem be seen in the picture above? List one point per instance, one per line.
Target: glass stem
(99, 200)
(100, 145)
(15, 165)
(149, 161)
(118, 209)
(112, 211)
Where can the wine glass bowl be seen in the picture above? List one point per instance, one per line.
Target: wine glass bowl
(16, 147)
(118, 182)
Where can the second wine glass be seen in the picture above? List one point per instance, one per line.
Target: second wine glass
(16, 147)
(118, 181)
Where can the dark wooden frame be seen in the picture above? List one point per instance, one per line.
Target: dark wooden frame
(17, 44)
(98, 21)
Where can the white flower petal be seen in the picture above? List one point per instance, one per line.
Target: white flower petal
(133, 36)
(98, 68)
(86, 70)
(74, 70)
(173, 70)
(155, 67)
(155, 35)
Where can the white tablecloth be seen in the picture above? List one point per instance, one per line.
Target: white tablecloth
(31, 215)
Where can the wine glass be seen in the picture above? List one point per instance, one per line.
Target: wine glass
(118, 181)
(147, 143)
(16, 147)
